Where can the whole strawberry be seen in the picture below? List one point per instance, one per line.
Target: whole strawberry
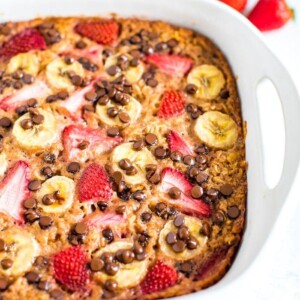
(270, 14)
(160, 277)
(70, 268)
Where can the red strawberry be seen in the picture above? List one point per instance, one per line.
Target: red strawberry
(70, 268)
(24, 41)
(96, 142)
(270, 14)
(171, 64)
(94, 184)
(14, 190)
(212, 263)
(239, 5)
(176, 143)
(100, 220)
(174, 178)
(172, 104)
(35, 90)
(160, 277)
(102, 32)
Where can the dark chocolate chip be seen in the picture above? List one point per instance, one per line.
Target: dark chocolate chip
(76, 80)
(152, 82)
(113, 131)
(41, 262)
(28, 79)
(96, 264)
(43, 285)
(179, 220)
(212, 194)
(151, 139)
(29, 203)
(56, 294)
(153, 178)
(191, 89)
(47, 172)
(192, 243)
(6, 263)
(174, 193)
(33, 277)
(189, 160)
(111, 268)
(201, 177)
(186, 267)
(91, 96)
(31, 216)
(3, 284)
(3, 245)
(32, 102)
(146, 217)
(138, 145)
(201, 159)
(121, 209)
(34, 185)
(233, 212)
(205, 229)
(5, 122)
(111, 285)
(197, 192)
(226, 189)
(179, 246)
(45, 222)
(127, 256)
(26, 124)
(175, 156)
(73, 167)
(113, 70)
(124, 117)
(224, 94)
(108, 234)
(80, 228)
(160, 152)
(183, 233)
(49, 158)
(218, 218)
(139, 196)
(80, 45)
(171, 238)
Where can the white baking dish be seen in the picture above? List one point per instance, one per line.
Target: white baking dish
(251, 60)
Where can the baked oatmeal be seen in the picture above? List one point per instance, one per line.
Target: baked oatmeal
(123, 172)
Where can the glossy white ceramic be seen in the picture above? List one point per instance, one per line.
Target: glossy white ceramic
(251, 60)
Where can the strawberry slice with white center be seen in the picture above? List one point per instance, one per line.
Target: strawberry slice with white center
(14, 190)
(176, 143)
(174, 178)
(101, 220)
(36, 90)
(94, 184)
(81, 143)
(72, 106)
(172, 64)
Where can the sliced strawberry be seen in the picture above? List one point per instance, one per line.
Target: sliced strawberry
(101, 220)
(96, 142)
(72, 106)
(36, 90)
(270, 14)
(212, 263)
(174, 178)
(172, 104)
(94, 184)
(176, 143)
(14, 190)
(160, 277)
(238, 5)
(70, 268)
(171, 64)
(24, 41)
(103, 32)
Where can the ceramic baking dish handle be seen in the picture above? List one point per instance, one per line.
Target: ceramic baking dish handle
(290, 102)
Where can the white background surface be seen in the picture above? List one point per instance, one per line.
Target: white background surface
(275, 275)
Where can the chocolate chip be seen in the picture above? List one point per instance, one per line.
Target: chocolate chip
(147, 75)
(49, 158)
(43, 285)
(179, 246)
(26, 124)
(212, 194)
(191, 89)
(80, 228)
(192, 243)
(189, 160)
(175, 156)
(103, 100)
(201, 149)
(179, 220)
(112, 112)
(226, 189)
(5, 122)
(205, 229)
(80, 45)
(73, 167)
(153, 178)
(201, 177)
(47, 172)
(135, 53)
(135, 39)
(139, 196)
(21, 110)
(18, 85)
(127, 256)
(34, 185)
(51, 98)
(152, 82)
(137, 248)
(29, 203)
(28, 79)
(37, 119)
(197, 192)
(233, 212)
(32, 102)
(3, 284)
(6, 263)
(41, 262)
(32, 277)
(141, 256)
(111, 268)
(31, 216)
(3, 245)
(160, 152)
(183, 233)
(224, 94)
(107, 257)
(69, 60)
(186, 267)
(96, 264)
(45, 222)
(113, 70)
(151, 139)
(102, 205)
(201, 159)
(120, 210)
(134, 62)
(76, 80)
(131, 171)
(56, 294)
(91, 96)
(174, 193)
(162, 46)
(218, 218)
(124, 117)
(171, 238)
(146, 217)
(108, 234)
(138, 145)
(113, 131)
(111, 285)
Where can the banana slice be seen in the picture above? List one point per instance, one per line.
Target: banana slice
(209, 80)
(194, 225)
(129, 275)
(133, 109)
(21, 249)
(139, 160)
(57, 74)
(60, 191)
(3, 163)
(39, 136)
(217, 130)
(26, 62)
(132, 74)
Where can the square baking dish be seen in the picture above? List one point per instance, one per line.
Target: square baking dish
(251, 61)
